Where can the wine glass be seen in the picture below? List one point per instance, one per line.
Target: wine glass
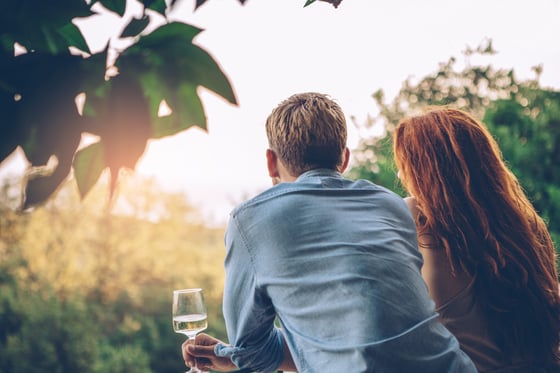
(189, 315)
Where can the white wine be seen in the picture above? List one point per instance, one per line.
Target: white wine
(190, 324)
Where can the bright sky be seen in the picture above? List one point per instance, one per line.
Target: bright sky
(271, 49)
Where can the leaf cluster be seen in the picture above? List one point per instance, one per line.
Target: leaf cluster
(46, 66)
(54, 89)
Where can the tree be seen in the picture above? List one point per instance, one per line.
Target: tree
(97, 297)
(147, 91)
(523, 116)
(527, 127)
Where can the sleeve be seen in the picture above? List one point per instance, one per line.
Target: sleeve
(249, 314)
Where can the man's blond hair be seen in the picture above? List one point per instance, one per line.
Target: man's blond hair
(307, 131)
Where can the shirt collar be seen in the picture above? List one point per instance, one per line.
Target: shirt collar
(319, 172)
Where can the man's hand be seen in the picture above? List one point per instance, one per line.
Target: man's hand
(202, 353)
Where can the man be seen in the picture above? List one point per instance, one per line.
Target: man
(334, 261)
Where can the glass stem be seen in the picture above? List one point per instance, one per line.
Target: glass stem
(194, 369)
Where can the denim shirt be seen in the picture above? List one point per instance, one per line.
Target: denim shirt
(336, 263)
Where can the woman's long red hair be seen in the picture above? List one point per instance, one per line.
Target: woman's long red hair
(473, 207)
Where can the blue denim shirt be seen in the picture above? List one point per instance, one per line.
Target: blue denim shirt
(335, 261)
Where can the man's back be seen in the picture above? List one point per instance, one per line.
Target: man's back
(324, 245)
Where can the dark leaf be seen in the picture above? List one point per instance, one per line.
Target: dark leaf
(187, 111)
(122, 120)
(46, 118)
(96, 89)
(55, 75)
(175, 32)
(189, 107)
(39, 91)
(93, 81)
(117, 6)
(7, 43)
(197, 66)
(135, 27)
(157, 5)
(54, 42)
(73, 36)
(89, 163)
(335, 3)
(40, 188)
(199, 3)
(124, 124)
(43, 31)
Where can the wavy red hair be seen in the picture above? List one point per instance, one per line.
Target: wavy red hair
(473, 207)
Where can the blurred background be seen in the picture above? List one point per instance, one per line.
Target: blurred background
(86, 275)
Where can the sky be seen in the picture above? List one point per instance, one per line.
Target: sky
(271, 49)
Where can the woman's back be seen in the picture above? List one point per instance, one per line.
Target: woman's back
(459, 310)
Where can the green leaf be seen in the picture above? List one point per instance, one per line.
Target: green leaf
(93, 69)
(334, 3)
(199, 67)
(7, 43)
(89, 163)
(117, 6)
(73, 36)
(157, 5)
(55, 43)
(42, 31)
(171, 45)
(189, 107)
(135, 27)
(187, 112)
(199, 3)
(183, 100)
(168, 33)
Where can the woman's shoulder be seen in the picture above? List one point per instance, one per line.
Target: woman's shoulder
(412, 205)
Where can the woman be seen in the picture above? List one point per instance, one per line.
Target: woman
(489, 261)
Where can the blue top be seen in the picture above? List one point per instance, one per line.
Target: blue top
(336, 262)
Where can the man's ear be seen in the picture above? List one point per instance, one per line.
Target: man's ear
(272, 163)
(346, 160)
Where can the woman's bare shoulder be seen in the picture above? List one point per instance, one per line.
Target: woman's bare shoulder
(425, 240)
(412, 206)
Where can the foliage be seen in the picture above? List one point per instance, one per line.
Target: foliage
(523, 116)
(38, 89)
(527, 127)
(97, 297)
(54, 89)
(53, 336)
